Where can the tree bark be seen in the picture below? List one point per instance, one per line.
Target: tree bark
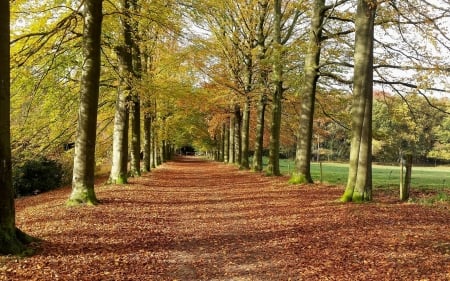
(259, 138)
(405, 183)
(273, 168)
(135, 147)
(359, 183)
(302, 173)
(12, 240)
(147, 141)
(261, 38)
(119, 167)
(84, 159)
(237, 134)
(226, 142)
(135, 114)
(245, 132)
(231, 144)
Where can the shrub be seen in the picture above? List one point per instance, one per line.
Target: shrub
(37, 175)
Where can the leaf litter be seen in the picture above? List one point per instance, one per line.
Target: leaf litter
(199, 220)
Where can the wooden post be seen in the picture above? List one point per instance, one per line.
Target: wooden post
(405, 184)
(321, 172)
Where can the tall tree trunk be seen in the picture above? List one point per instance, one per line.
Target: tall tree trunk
(222, 144)
(135, 147)
(273, 167)
(147, 141)
(231, 145)
(12, 240)
(84, 159)
(226, 142)
(237, 134)
(302, 173)
(261, 38)
(119, 169)
(119, 166)
(135, 109)
(359, 184)
(154, 155)
(245, 134)
(259, 138)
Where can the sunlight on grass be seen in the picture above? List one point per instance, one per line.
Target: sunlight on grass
(384, 176)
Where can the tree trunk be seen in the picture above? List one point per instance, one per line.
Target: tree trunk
(231, 145)
(245, 134)
(261, 37)
(147, 142)
(84, 159)
(119, 167)
(302, 174)
(359, 183)
(237, 134)
(12, 240)
(273, 167)
(154, 155)
(135, 114)
(259, 138)
(226, 142)
(135, 148)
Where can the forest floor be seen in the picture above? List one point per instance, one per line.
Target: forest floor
(197, 220)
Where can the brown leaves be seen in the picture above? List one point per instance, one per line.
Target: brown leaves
(196, 220)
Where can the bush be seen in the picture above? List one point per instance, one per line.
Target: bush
(36, 176)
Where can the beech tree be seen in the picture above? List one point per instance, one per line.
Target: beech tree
(119, 168)
(285, 19)
(12, 239)
(359, 183)
(262, 35)
(308, 96)
(84, 159)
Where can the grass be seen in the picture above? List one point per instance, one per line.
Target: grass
(384, 176)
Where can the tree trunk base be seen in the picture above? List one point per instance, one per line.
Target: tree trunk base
(15, 243)
(299, 178)
(84, 197)
(355, 197)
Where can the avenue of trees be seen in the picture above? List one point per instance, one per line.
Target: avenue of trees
(130, 80)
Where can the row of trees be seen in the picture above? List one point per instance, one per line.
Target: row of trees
(233, 77)
(256, 44)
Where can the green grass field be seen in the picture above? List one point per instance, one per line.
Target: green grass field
(435, 178)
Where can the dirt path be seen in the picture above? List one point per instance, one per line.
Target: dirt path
(198, 220)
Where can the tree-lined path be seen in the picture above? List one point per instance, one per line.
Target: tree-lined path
(198, 220)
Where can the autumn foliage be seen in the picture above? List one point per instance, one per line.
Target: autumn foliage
(198, 220)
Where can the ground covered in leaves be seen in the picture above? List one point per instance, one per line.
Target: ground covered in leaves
(198, 220)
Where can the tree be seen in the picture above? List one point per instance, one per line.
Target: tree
(308, 96)
(135, 105)
(12, 240)
(84, 159)
(359, 183)
(119, 168)
(280, 38)
(262, 49)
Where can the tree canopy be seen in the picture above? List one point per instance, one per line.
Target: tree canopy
(200, 61)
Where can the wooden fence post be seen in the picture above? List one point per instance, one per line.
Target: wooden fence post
(405, 183)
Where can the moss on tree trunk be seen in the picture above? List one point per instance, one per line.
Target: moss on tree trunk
(15, 242)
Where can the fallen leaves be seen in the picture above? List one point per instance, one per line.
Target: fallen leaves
(199, 220)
